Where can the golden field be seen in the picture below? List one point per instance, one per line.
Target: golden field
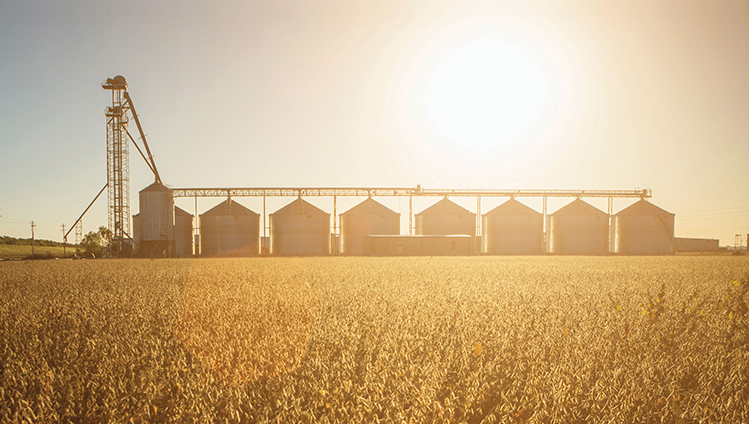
(472, 339)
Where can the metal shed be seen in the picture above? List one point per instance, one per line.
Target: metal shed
(367, 218)
(156, 222)
(230, 229)
(579, 229)
(513, 228)
(182, 233)
(644, 229)
(400, 245)
(299, 228)
(685, 244)
(445, 218)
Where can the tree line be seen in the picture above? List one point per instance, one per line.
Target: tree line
(92, 245)
(7, 240)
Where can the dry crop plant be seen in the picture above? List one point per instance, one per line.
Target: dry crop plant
(505, 339)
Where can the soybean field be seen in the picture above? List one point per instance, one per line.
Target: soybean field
(336, 339)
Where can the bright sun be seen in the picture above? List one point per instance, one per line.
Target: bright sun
(485, 95)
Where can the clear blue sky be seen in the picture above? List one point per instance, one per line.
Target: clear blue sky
(330, 93)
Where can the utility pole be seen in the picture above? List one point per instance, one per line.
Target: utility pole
(64, 240)
(32, 239)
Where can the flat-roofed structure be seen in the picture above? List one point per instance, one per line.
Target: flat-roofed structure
(685, 244)
(400, 245)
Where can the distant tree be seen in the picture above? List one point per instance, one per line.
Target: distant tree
(93, 242)
(106, 235)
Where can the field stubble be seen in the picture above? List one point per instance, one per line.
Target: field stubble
(538, 339)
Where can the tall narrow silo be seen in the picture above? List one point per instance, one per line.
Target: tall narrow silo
(182, 233)
(229, 229)
(513, 228)
(156, 219)
(579, 229)
(445, 218)
(365, 219)
(136, 233)
(299, 228)
(644, 229)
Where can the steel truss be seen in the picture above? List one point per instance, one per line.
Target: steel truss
(402, 192)
(410, 192)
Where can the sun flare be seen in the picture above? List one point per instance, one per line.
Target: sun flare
(485, 95)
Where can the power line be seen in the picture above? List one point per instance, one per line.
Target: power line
(713, 217)
(714, 229)
(717, 211)
(10, 219)
(14, 223)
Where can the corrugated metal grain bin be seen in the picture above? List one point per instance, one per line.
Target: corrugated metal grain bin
(229, 229)
(513, 228)
(182, 233)
(400, 245)
(644, 229)
(579, 229)
(156, 218)
(445, 218)
(298, 229)
(367, 218)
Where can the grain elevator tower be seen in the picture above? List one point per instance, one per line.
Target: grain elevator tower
(118, 168)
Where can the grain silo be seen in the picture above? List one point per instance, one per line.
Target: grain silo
(367, 218)
(579, 229)
(182, 233)
(445, 218)
(513, 228)
(229, 229)
(156, 222)
(644, 229)
(299, 228)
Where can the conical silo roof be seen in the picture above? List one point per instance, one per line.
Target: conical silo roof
(642, 208)
(300, 207)
(181, 212)
(577, 208)
(512, 208)
(228, 207)
(445, 207)
(156, 186)
(370, 207)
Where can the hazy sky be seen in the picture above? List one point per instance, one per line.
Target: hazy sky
(601, 95)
